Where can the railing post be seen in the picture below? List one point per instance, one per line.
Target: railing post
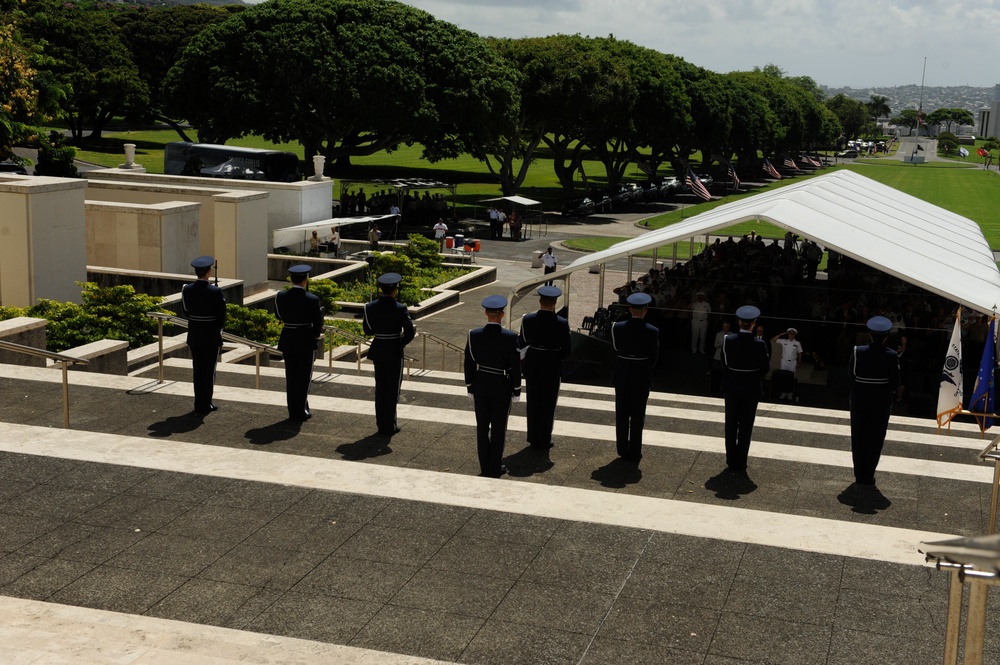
(443, 352)
(329, 352)
(159, 330)
(256, 362)
(425, 351)
(358, 353)
(65, 378)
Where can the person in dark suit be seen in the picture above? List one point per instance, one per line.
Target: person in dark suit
(746, 362)
(875, 375)
(389, 322)
(544, 342)
(302, 315)
(637, 344)
(493, 379)
(205, 309)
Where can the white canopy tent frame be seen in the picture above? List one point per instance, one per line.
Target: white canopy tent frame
(873, 223)
(527, 203)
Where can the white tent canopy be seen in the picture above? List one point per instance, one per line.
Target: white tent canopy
(296, 235)
(519, 200)
(899, 234)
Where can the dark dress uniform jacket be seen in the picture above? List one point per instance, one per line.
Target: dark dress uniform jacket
(302, 315)
(746, 361)
(390, 323)
(545, 340)
(205, 308)
(638, 346)
(493, 376)
(875, 374)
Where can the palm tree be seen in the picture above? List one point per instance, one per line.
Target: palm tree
(878, 107)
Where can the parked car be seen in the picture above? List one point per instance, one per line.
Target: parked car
(602, 203)
(847, 154)
(669, 187)
(578, 207)
(6, 167)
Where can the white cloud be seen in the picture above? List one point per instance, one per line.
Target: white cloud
(836, 42)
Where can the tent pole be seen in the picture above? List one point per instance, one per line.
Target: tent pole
(600, 290)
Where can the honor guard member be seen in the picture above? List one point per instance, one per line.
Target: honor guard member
(205, 308)
(389, 322)
(875, 374)
(493, 379)
(302, 315)
(745, 361)
(544, 342)
(638, 346)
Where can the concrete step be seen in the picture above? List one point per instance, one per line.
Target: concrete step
(795, 511)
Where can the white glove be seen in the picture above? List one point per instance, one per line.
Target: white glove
(470, 396)
(515, 398)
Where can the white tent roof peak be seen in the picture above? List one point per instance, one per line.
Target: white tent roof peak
(899, 234)
(520, 200)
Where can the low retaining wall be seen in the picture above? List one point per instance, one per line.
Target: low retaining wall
(25, 331)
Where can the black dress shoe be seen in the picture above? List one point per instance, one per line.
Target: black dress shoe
(389, 432)
(208, 409)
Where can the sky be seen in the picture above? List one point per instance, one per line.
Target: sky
(856, 43)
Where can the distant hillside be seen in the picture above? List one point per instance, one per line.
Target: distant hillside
(908, 97)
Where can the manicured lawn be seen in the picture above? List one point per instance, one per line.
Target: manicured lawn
(960, 187)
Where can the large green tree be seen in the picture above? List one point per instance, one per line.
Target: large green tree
(656, 112)
(155, 37)
(950, 117)
(853, 115)
(18, 96)
(85, 57)
(343, 78)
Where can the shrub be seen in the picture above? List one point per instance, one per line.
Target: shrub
(11, 312)
(55, 157)
(257, 325)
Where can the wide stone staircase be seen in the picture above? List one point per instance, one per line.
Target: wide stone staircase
(147, 533)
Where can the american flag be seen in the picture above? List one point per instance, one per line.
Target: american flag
(790, 163)
(733, 177)
(812, 160)
(696, 186)
(770, 170)
(646, 168)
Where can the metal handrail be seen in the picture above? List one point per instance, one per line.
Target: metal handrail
(61, 358)
(360, 341)
(445, 346)
(257, 347)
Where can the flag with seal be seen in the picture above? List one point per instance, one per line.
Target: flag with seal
(950, 392)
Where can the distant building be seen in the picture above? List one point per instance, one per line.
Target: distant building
(989, 117)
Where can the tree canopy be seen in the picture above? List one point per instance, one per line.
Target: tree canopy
(343, 78)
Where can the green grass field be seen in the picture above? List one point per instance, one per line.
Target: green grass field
(958, 186)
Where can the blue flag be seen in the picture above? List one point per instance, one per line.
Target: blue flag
(982, 400)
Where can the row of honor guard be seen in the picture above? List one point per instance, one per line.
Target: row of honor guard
(300, 311)
(387, 320)
(493, 367)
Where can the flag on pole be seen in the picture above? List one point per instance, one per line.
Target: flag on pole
(646, 168)
(815, 162)
(790, 163)
(770, 170)
(697, 186)
(733, 177)
(982, 400)
(950, 391)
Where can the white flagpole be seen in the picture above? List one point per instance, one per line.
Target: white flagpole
(950, 393)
